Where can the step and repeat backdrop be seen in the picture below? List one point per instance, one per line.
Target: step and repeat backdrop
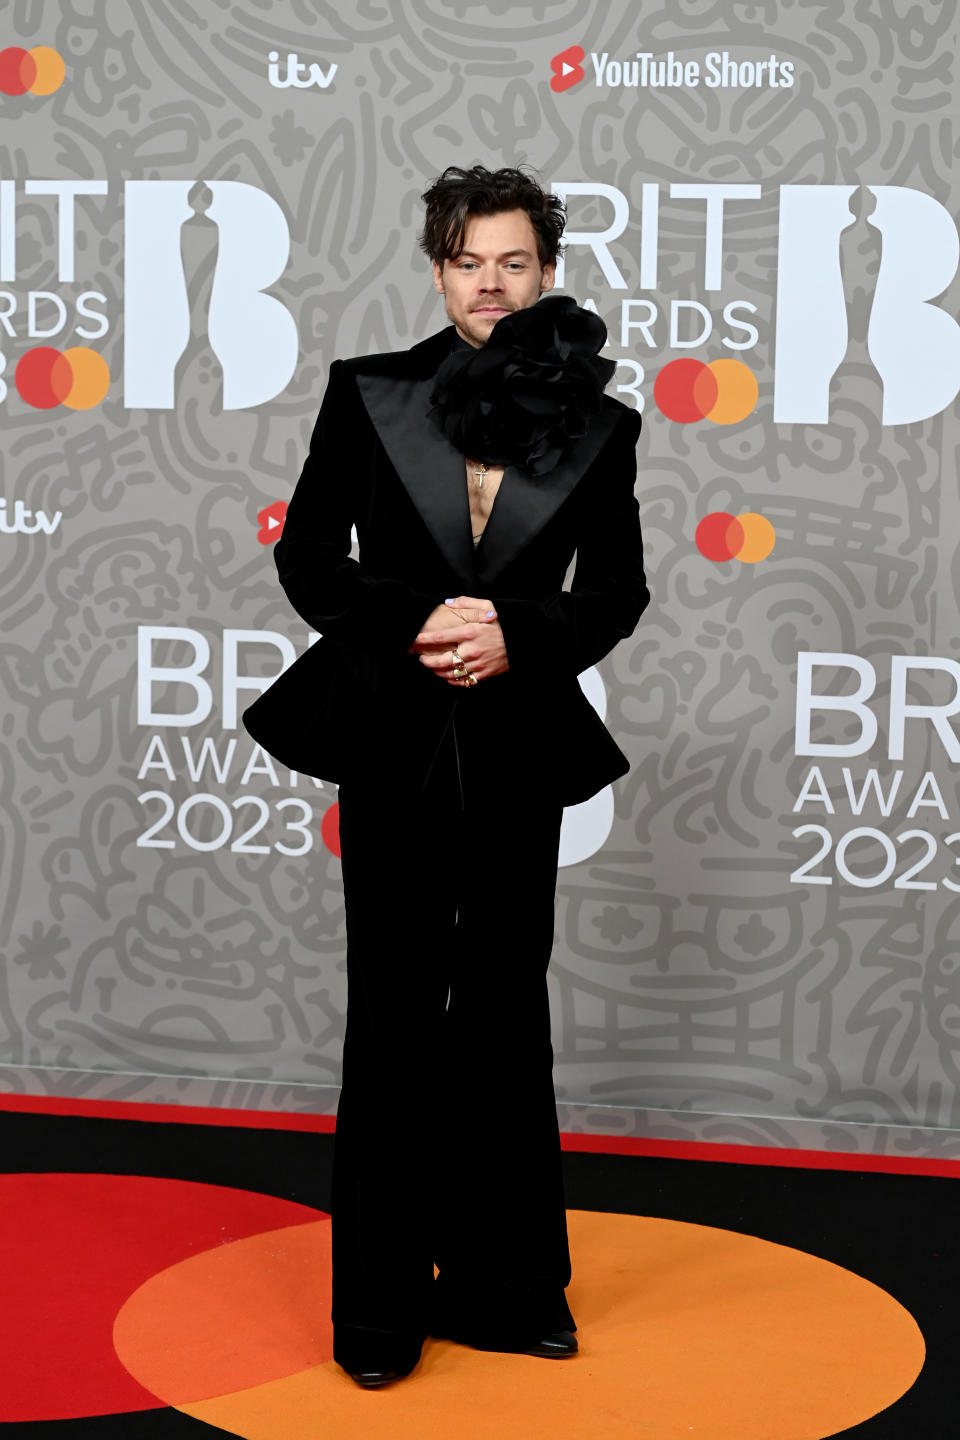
(200, 208)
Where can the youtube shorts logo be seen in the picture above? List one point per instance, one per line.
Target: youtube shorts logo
(270, 520)
(567, 68)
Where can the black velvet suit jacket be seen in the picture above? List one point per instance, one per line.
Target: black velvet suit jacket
(357, 705)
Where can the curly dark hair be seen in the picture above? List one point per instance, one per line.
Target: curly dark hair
(458, 194)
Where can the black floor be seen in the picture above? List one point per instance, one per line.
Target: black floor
(898, 1231)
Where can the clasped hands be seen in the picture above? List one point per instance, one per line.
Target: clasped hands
(469, 626)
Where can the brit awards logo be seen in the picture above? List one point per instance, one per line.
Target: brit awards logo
(912, 342)
(914, 345)
(252, 334)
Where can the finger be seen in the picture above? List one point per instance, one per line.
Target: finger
(476, 617)
(446, 662)
(469, 602)
(469, 607)
(455, 636)
(458, 667)
(427, 645)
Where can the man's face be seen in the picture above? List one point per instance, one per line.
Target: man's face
(497, 272)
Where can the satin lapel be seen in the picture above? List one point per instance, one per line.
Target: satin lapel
(432, 471)
(524, 505)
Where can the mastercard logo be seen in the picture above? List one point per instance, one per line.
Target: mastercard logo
(39, 71)
(78, 378)
(735, 537)
(724, 391)
(330, 828)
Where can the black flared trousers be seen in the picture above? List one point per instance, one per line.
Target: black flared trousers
(447, 1148)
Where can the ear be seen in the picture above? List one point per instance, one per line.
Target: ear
(438, 279)
(548, 277)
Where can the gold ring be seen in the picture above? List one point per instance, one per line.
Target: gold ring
(456, 656)
(471, 678)
(460, 671)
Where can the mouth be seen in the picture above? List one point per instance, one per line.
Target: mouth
(491, 310)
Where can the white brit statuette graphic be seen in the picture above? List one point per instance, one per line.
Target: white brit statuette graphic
(586, 826)
(253, 334)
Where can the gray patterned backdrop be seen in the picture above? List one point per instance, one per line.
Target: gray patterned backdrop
(172, 922)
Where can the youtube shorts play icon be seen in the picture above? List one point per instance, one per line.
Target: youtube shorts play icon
(270, 520)
(567, 68)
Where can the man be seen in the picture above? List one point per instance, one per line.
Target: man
(443, 698)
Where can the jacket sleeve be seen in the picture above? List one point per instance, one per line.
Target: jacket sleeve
(572, 630)
(328, 589)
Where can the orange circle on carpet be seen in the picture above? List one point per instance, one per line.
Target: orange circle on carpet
(684, 1329)
(231, 1318)
(73, 1249)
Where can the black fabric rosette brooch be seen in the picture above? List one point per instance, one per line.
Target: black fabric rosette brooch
(521, 398)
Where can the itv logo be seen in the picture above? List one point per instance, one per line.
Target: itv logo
(298, 75)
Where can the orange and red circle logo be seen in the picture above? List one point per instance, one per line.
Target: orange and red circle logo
(78, 378)
(724, 391)
(746, 537)
(39, 71)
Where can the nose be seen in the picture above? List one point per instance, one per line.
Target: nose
(490, 280)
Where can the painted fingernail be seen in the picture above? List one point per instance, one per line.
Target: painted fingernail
(448, 602)
(490, 614)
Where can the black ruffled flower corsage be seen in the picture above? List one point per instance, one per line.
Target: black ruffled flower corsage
(521, 398)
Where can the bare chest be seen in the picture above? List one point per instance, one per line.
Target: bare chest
(483, 482)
